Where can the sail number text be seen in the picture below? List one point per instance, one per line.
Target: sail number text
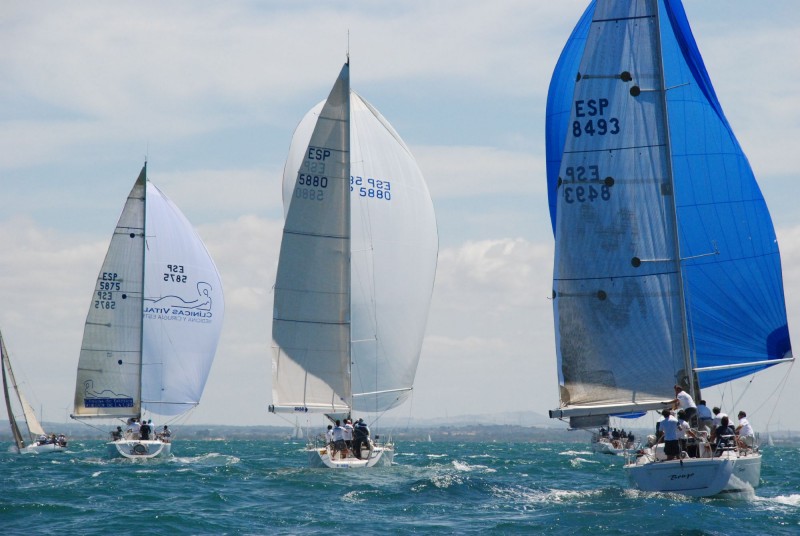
(583, 184)
(175, 273)
(591, 119)
(371, 188)
(105, 296)
(311, 180)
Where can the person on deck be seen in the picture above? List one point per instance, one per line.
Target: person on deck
(684, 401)
(144, 431)
(339, 446)
(668, 431)
(724, 436)
(746, 437)
(360, 437)
(705, 419)
(718, 416)
(135, 427)
(348, 434)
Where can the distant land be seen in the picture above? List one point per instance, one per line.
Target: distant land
(508, 427)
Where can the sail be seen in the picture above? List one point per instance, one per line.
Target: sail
(183, 309)
(16, 403)
(311, 316)
(736, 308)
(16, 433)
(155, 317)
(393, 253)
(110, 363)
(666, 259)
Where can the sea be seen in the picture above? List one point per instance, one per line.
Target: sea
(264, 487)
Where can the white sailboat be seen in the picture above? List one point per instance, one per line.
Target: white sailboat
(356, 270)
(153, 323)
(667, 269)
(20, 413)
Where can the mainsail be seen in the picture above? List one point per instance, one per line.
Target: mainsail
(667, 267)
(155, 317)
(385, 268)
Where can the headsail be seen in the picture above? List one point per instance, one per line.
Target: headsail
(652, 198)
(183, 309)
(394, 254)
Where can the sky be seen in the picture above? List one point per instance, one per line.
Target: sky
(210, 93)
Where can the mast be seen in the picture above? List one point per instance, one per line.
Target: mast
(348, 226)
(688, 379)
(141, 301)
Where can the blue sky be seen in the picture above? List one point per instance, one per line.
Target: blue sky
(210, 92)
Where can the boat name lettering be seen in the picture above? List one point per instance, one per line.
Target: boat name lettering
(301, 409)
(316, 153)
(681, 476)
(372, 188)
(592, 108)
(108, 402)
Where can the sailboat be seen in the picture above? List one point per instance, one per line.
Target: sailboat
(667, 269)
(20, 412)
(356, 270)
(153, 324)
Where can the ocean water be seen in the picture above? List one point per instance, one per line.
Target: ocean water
(264, 487)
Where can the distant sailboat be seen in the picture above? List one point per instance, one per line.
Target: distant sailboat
(667, 269)
(356, 269)
(20, 412)
(153, 323)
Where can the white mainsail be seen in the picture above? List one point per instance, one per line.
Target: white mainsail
(386, 270)
(110, 364)
(155, 317)
(311, 318)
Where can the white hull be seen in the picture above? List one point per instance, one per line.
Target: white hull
(43, 449)
(731, 472)
(605, 446)
(379, 456)
(139, 449)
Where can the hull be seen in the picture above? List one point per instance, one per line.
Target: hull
(381, 456)
(746, 473)
(604, 446)
(135, 449)
(43, 449)
(697, 477)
